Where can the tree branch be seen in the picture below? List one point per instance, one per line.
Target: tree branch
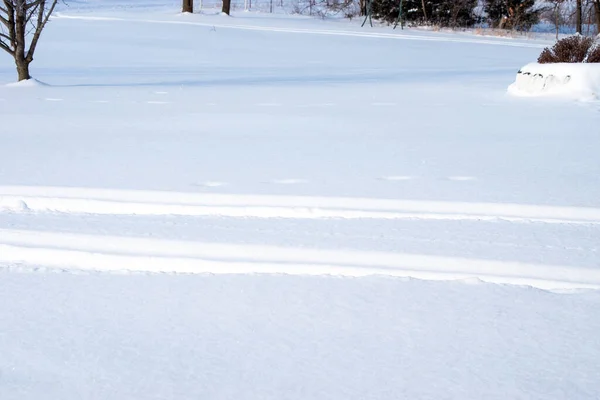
(5, 47)
(11, 24)
(41, 23)
(4, 21)
(31, 12)
(34, 4)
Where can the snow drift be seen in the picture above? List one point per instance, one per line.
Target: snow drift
(581, 81)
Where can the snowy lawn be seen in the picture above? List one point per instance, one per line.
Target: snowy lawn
(270, 148)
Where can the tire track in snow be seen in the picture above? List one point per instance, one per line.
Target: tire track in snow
(66, 251)
(380, 35)
(135, 202)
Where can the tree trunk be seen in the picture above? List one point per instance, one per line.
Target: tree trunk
(579, 17)
(22, 70)
(597, 4)
(424, 10)
(20, 57)
(188, 6)
(557, 19)
(226, 6)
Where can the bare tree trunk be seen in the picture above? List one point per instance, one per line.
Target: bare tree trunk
(188, 6)
(20, 57)
(557, 18)
(597, 5)
(226, 6)
(424, 10)
(22, 70)
(579, 17)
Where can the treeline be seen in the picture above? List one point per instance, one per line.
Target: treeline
(503, 14)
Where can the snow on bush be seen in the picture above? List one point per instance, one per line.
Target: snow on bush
(577, 80)
(571, 67)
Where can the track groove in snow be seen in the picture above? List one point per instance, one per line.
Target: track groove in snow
(379, 35)
(130, 202)
(111, 253)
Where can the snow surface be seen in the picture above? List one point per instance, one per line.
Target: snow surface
(579, 81)
(201, 206)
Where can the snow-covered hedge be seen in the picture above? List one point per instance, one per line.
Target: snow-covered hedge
(577, 80)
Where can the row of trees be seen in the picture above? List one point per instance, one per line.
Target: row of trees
(580, 13)
(503, 14)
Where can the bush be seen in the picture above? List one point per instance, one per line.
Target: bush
(572, 49)
(593, 55)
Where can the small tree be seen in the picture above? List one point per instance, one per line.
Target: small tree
(21, 25)
(557, 17)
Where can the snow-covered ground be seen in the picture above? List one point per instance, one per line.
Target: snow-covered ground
(295, 184)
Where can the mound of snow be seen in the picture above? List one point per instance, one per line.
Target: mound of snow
(27, 83)
(581, 81)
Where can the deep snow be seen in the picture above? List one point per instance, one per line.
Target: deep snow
(580, 81)
(169, 149)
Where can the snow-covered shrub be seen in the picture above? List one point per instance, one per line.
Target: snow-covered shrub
(594, 54)
(572, 49)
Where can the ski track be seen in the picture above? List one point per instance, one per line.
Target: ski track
(131, 202)
(66, 251)
(398, 36)
(74, 251)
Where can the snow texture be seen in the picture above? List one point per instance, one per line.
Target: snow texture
(280, 207)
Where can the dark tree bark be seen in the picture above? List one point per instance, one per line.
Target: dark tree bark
(21, 20)
(188, 6)
(597, 5)
(226, 6)
(579, 17)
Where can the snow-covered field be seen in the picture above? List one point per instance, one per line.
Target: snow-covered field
(278, 207)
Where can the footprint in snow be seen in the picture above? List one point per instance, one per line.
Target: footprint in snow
(268, 104)
(398, 178)
(462, 178)
(290, 181)
(211, 184)
(383, 104)
(318, 105)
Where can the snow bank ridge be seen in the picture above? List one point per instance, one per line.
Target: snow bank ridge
(66, 251)
(129, 202)
(580, 81)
